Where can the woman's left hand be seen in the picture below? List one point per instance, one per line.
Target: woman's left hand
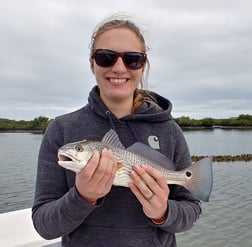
(151, 189)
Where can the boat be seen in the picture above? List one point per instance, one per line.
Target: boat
(17, 230)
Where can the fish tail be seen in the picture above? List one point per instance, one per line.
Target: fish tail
(200, 178)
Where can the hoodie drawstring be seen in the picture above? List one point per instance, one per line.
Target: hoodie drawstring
(108, 113)
(133, 131)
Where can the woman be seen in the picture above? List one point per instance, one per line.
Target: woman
(85, 209)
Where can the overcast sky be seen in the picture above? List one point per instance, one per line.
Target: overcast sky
(200, 54)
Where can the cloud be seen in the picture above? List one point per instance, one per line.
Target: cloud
(199, 54)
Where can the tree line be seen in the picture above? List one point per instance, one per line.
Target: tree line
(37, 124)
(40, 123)
(243, 120)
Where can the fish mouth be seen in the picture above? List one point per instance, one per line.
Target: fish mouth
(69, 162)
(66, 158)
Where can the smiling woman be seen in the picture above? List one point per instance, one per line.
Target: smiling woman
(83, 208)
(118, 68)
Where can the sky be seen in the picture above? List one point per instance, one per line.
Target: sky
(200, 54)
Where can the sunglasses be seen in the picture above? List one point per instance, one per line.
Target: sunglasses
(107, 58)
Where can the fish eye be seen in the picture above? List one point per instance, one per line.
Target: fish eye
(79, 148)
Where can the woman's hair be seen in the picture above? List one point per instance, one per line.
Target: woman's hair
(117, 22)
(124, 22)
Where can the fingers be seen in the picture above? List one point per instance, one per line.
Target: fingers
(148, 180)
(143, 184)
(91, 166)
(105, 170)
(96, 179)
(158, 176)
(150, 188)
(100, 167)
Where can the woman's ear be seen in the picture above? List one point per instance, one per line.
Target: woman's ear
(91, 61)
(143, 69)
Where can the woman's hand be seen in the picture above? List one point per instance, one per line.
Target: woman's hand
(96, 178)
(150, 188)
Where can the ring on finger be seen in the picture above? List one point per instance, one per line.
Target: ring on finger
(150, 197)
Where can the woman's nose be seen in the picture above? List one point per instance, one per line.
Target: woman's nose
(119, 66)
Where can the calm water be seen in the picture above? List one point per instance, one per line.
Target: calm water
(226, 219)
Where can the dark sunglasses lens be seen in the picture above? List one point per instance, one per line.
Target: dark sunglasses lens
(105, 58)
(134, 60)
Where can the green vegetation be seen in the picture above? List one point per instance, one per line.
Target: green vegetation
(225, 158)
(37, 124)
(41, 123)
(243, 121)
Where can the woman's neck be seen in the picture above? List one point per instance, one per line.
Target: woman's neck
(120, 108)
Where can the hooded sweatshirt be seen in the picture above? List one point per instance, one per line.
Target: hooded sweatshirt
(118, 218)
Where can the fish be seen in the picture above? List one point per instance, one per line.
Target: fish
(197, 178)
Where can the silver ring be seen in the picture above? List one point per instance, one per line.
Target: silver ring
(149, 198)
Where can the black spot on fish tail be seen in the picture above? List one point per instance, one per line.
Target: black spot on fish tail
(188, 174)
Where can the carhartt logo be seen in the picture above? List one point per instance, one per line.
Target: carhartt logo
(153, 142)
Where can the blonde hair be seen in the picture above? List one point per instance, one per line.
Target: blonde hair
(117, 21)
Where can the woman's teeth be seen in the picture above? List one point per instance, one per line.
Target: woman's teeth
(114, 80)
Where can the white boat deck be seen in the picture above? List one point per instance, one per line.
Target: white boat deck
(16, 230)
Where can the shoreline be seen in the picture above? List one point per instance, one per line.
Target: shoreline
(32, 131)
(225, 158)
(185, 128)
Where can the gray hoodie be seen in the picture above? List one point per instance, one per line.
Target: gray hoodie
(117, 219)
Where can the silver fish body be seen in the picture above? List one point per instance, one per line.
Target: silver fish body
(197, 178)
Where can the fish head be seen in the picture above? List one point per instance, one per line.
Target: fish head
(74, 156)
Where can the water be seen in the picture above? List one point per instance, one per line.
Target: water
(18, 157)
(219, 142)
(226, 219)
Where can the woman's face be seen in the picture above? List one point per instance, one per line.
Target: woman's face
(117, 83)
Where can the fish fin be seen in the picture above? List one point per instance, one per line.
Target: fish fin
(112, 139)
(200, 179)
(151, 154)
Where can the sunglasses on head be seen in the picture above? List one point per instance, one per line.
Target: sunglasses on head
(107, 58)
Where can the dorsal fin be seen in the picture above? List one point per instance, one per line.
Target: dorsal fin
(112, 138)
(151, 154)
(140, 149)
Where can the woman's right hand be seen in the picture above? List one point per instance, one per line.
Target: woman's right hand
(96, 178)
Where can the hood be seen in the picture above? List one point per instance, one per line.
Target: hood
(146, 112)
